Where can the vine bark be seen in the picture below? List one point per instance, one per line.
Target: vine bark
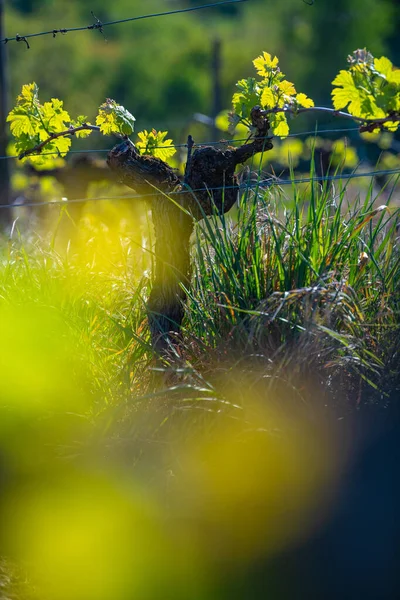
(210, 185)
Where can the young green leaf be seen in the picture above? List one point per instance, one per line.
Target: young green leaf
(24, 117)
(54, 117)
(114, 118)
(81, 120)
(346, 93)
(20, 123)
(247, 97)
(304, 101)
(150, 142)
(265, 64)
(33, 123)
(273, 91)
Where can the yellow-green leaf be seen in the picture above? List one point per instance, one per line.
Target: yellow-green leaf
(20, 123)
(81, 120)
(106, 122)
(395, 76)
(247, 97)
(29, 94)
(343, 78)
(305, 101)
(384, 66)
(83, 133)
(114, 118)
(279, 125)
(264, 64)
(154, 143)
(343, 96)
(63, 144)
(54, 118)
(286, 87)
(267, 98)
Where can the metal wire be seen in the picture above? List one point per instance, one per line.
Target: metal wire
(99, 25)
(265, 183)
(200, 144)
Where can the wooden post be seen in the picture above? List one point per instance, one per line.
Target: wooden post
(5, 195)
(216, 83)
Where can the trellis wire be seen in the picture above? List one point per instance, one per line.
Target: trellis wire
(99, 25)
(266, 183)
(200, 144)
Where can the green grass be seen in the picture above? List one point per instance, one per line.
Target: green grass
(321, 275)
(268, 280)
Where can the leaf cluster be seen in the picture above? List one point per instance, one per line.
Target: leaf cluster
(36, 126)
(272, 91)
(114, 118)
(31, 123)
(370, 89)
(154, 143)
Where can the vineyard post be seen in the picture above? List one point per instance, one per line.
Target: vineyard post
(4, 165)
(216, 83)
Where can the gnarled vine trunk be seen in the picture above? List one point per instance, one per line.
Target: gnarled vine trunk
(210, 184)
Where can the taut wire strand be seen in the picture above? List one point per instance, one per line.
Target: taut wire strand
(264, 183)
(99, 25)
(198, 145)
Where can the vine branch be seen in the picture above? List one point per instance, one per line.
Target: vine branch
(53, 136)
(366, 124)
